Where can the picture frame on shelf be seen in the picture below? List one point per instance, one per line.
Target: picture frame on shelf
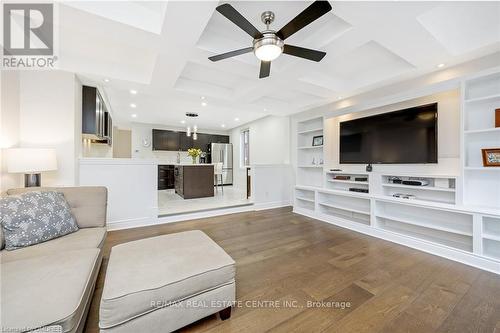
(497, 118)
(491, 157)
(317, 140)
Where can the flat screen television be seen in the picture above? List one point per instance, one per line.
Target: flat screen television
(400, 137)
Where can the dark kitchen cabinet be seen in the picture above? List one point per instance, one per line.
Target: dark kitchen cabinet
(202, 142)
(220, 139)
(165, 140)
(108, 127)
(166, 178)
(186, 142)
(175, 141)
(93, 114)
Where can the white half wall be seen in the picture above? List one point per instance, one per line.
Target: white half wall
(269, 145)
(272, 185)
(131, 184)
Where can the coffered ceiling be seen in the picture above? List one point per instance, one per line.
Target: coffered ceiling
(160, 50)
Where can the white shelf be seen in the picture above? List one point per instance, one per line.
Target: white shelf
(432, 239)
(428, 188)
(482, 168)
(310, 166)
(304, 199)
(311, 147)
(483, 98)
(346, 193)
(347, 181)
(311, 131)
(345, 208)
(424, 225)
(487, 130)
(491, 237)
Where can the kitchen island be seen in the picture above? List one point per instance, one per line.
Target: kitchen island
(194, 180)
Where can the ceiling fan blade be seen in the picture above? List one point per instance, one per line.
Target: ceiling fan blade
(230, 54)
(302, 52)
(265, 69)
(234, 16)
(313, 12)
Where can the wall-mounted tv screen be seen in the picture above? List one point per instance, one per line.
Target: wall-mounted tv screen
(403, 137)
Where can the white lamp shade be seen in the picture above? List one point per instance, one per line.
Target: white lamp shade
(31, 160)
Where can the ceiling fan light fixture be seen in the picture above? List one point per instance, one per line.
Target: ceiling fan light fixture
(268, 48)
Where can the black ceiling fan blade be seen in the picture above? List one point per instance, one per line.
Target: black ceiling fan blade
(230, 54)
(302, 52)
(234, 16)
(265, 69)
(310, 14)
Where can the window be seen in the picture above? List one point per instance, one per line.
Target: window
(245, 148)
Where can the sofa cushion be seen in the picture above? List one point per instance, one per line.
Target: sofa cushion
(88, 203)
(87, 238)
(35, 217)
(164, 269)
(47, 290)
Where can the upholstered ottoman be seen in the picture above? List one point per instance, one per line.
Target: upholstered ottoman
(163, 283)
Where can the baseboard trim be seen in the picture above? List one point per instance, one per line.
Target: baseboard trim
(463, 257)
(272, 205)
(148, 221)
(131, 223)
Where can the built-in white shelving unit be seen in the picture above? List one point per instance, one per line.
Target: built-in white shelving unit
(456, 216)
(310, 159)
(440, 190)
(481, 96)
(491, 237)
(305, 198)
(355, 181)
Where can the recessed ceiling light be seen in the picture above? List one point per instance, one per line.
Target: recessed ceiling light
(133, 115)
(202, 97)
(236, 119)
(203, 103)
(339, 98)
(183, 121)
(265, 109)
(440, 65)
(133, 92)
(222, 125)
(132, 105)
(106, 80)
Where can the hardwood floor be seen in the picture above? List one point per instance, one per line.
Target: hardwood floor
(371, 285)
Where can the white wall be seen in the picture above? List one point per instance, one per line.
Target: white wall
(50, 111)
(9, 125)
(48, 115)
(269, 144)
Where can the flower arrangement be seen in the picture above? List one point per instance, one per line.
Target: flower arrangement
(194, 153)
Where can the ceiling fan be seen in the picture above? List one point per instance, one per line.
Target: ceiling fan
(269, 44)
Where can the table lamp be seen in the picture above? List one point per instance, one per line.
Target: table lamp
(31, 161)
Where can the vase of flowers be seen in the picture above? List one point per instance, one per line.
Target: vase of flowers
(194, 153)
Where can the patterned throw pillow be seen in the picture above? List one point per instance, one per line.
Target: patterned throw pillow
(35, 217)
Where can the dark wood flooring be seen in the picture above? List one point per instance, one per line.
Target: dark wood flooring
(281, 256)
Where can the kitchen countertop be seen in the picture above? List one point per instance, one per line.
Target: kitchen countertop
(186, 164)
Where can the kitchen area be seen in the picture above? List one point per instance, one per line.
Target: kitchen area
(192, 184)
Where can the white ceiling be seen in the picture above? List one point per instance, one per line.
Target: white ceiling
(160, 49)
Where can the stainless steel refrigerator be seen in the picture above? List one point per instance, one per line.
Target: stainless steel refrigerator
(223, 153)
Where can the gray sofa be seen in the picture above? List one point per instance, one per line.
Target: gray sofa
(50, 285)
